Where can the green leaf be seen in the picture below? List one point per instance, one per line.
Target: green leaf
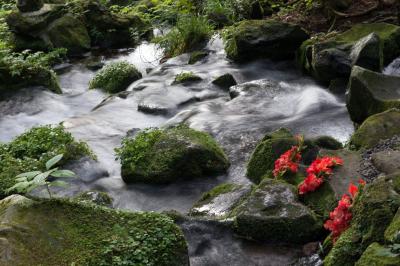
(63, 173)
(50, 163)
(29, 175)
(58, 183)
(39, 179)
(33, 186)
(21, 179)
(19, 187)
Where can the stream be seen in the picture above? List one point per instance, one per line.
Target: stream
(275, 95)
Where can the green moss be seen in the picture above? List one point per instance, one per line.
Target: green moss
(328, 142)
(96, 197)
(185, 78)
(197, 56)
(377, 255)
(115, 77)
(164, 155)
(375, 128)
(392, 233)
(87, 234)
(372, 211)
(216, 191)
(32, 149)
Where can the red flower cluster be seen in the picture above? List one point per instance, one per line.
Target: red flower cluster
(287, 161)
(316, 172)
(340, 217)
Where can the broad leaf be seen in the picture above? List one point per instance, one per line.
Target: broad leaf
(34, 185)
(58, 183)
(29, 175)
(21, 179)
(50, 163)
(39, 179)
(63, 173)
(19, 187)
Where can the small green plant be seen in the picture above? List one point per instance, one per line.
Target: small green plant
(31, 180)
(186, 77)
(190, 32)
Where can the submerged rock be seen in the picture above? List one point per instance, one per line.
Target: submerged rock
(256, 39)
(63, 232)
(115, 77)
(166, 155)
(370, 93)
(375, 128)
(273, 213)
(225, 81)
(220, 201)
(367, 45)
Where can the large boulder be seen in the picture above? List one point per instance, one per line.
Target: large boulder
(256, 39)
(273, 213)
(375, 128)
(373, 211)
(63, 232)
(392, 233)
(166, 155)
(370, 93)
(370, 46)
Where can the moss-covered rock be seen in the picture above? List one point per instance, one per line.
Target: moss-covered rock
(255, 39)
(96, 197)
(270, 148)
(220, 201)
(31, 150)
(372, 211)
(225, 81)
(62, 232)
(197, 56)
(166, 155)
(186, 78)
(115, 77)
(367, 45)
(378, 255)
(375, 128)
(392, 233)
(370, 93)
(273, 213)
(327, 142)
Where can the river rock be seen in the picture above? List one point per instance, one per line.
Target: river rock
(370, 93)
(256, 39)
(270, 148)
(372, 213)
(273, 213)
(74, 233)
(377, 254)
(29, 5)
(367, 45)
(375, 128)
(167, 155)
(220, 201)
(225, 81)
(197, 56)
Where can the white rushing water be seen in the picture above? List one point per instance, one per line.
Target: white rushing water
(295, 102)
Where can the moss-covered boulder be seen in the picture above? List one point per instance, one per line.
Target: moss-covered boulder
(378, 255)
(166, 155)
(256, 39)
(186, 78)
(225, 81)
(273, 213)
(32, 149)
(62, 232)
(29, 5)
(115, 77)
(328, 142)
(95, 197)
(270, 148)
(372, 211)
(392, 232)
(197, 56)
(370, 93)
(375, 128)
(219, 201)
(370, 46)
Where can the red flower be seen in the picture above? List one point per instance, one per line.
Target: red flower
(361, 182)
(318, 169)
(353, 190)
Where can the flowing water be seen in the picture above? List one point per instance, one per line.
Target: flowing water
(277, 96)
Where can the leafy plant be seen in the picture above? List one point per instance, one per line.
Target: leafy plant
(189, 33)
(30, 180)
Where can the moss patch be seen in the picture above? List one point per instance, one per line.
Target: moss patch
(70, 233)
(186, 78)
(380, 255)
(115, 77)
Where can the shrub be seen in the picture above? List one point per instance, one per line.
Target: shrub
(115, 77)
(189, 33)
(31, 150)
